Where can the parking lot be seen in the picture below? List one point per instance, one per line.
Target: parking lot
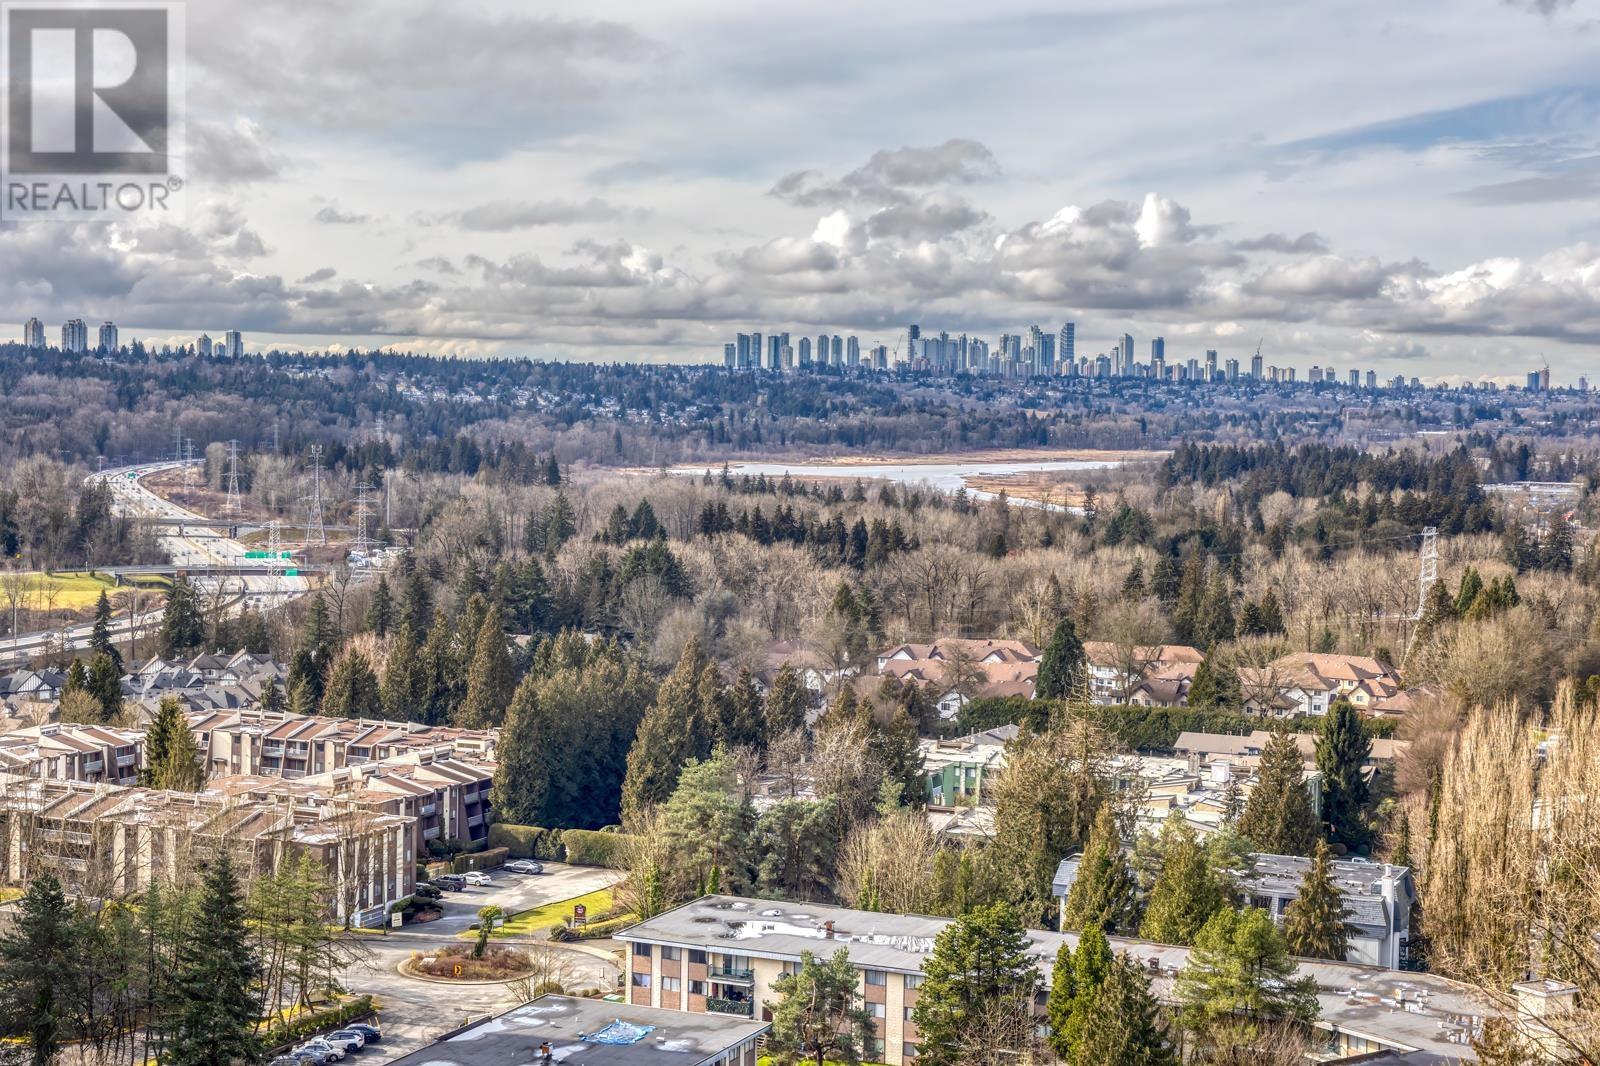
(512, 893)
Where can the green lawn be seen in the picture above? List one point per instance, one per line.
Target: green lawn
(537, 922)
(74, 591)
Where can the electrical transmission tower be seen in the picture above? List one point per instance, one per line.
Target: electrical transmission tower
(188, 470)
(233, 506)
(1429, 570)
(363, 515)
(314, 526)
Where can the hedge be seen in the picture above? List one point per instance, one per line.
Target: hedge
(527, 841)
(304, 1025)
(427, 871)
(588, 848)
(479, 860)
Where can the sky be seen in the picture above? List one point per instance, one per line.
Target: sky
(1407, 187)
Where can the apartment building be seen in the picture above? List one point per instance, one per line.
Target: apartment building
(63, 751)
(721, 955)
(279, 744)
(1378, 900)
(1116, 671)
(108, 841)
(442, 794)
(956, 771)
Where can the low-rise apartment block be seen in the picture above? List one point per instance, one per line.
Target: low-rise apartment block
(279, 744)
(721, 954)
(63, 751)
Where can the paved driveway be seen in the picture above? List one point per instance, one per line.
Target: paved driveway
(414, 1011)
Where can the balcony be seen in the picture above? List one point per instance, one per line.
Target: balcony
(731, 975)
(93, 766)
(272, 751)
(427, 809)
(127, 760)
(744, 1008)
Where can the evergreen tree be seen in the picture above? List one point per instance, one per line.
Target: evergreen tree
(521, 772)
(1239, 968)
(105, 684)
(1125, 1027)
(786, 703)
(417, 604)
(490, 679)
(979, 962)
(169, 722)
(1343, 748)
(272, 699)
(1133, 584)
(1186, 893)
(819, 1016)
(1278, 818)
(352, 689)
(182, 630)
(1080, 976)
(100, 641)
(402, 671)
(77, 679)
(182, 767)
(36, 950)
(380, 611)
(1471, 585)
(671, 734)
(302, 698)
(1104, 895)
(560, 523)
(1062, 665)
(743, 723)
(1313, 923)
(318, 638)
(1203, 694)
(214, 1007)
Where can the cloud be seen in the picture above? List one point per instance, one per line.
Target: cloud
(319, 275)
(1305, 244)
(1547, 8)
(233, 153)
(334, 215)
(889, 174)
(502, 215)
(1544, 189)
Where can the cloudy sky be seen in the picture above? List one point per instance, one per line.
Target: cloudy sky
(1408, 186)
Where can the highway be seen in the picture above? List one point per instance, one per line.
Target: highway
(199, 546)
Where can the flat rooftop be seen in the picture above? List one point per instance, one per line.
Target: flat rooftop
(1413, 1011)
(673, 1038)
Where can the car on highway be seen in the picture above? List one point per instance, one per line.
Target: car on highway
(524, 866)
(477, 877)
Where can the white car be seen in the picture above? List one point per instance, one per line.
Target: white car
(477, 877)
(332, 1051)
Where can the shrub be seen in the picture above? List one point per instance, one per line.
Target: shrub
(552, 988)
(550, 847)
(427, 871)
(606, 927)
(520, 841)
(482, 860)
(560, 932)
(588, 848)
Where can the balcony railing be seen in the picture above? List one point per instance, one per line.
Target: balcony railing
(427, 809)
(731, 973)
(731, 1006)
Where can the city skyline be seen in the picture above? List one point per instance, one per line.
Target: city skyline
(632, 183)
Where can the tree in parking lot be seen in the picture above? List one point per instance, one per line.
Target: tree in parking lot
(819, 1016)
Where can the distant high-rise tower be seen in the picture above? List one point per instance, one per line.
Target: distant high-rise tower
(805, 351)
(74, 336)
(730, 355)
(202, 347)
(1126, 367)
(913, 335)
(1372, 379)
(1067, 349)
(1255, 366)
(836, 353)
(1158, 349)
(233, 344)
(108, 337)
(33, 333)
(852, 351)
(1211, 364)
(1355, 379)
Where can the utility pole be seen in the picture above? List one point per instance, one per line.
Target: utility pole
(233, 506)
(314, 526)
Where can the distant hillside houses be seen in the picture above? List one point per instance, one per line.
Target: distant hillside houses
(960, 670)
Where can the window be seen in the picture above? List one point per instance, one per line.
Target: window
(909, 1050)
(877, 977)
(671, 954)
(913, 980)
(875, 1048)
(641, 980)
(906, 1012)
(875, 1009)
(697, 988)
(670, 984)
(697, 956)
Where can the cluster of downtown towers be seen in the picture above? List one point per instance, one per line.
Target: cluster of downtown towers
(1035, 353)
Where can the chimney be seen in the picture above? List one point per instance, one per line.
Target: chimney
(1221, 772)
(1543, 998)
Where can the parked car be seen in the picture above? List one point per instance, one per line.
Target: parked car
(427, 891)
(524, 866)
(371, 1032)
(348, 1039)
(286, 1060)
(334, 1052)
(477, 877)
(450, 882)
(313, 1055)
